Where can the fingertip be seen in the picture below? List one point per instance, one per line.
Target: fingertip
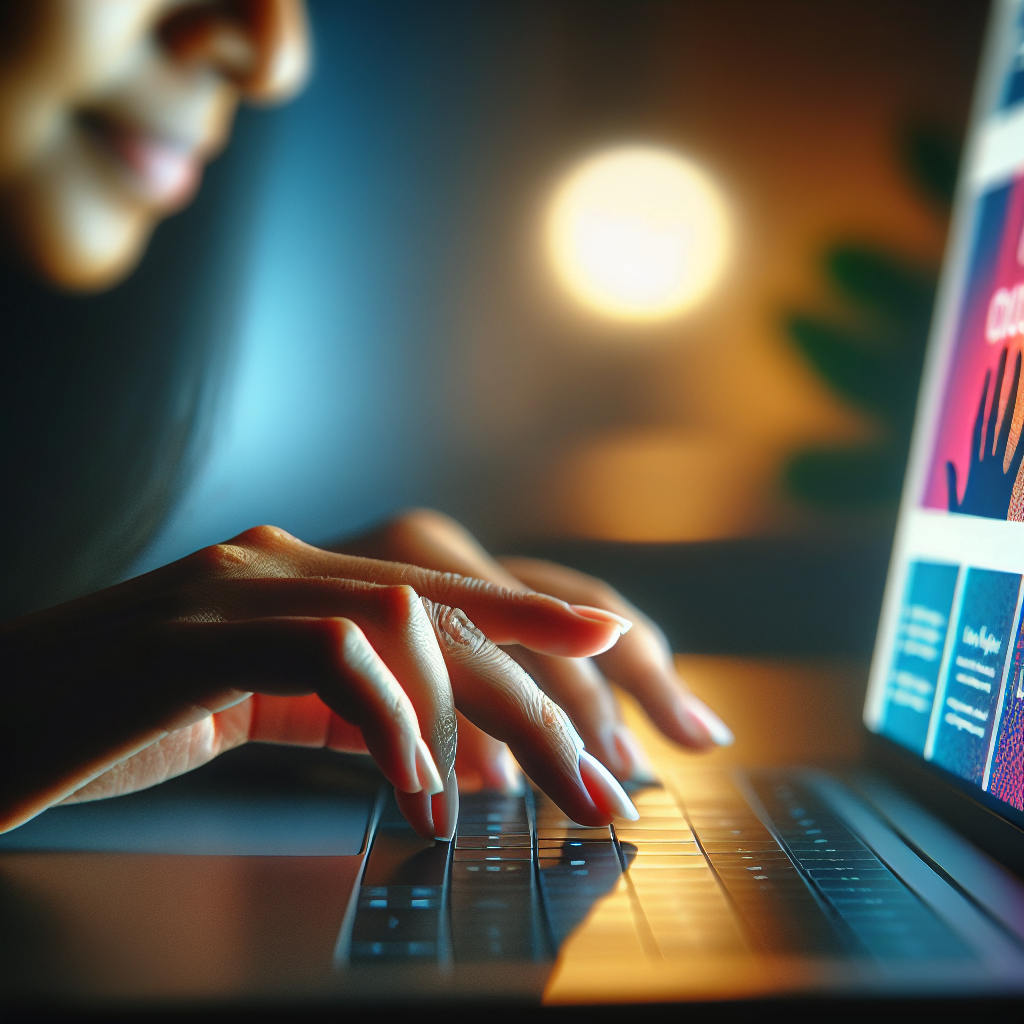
(703, 725)
(594, 630)
(636, 766)
(416, 807)
(586, 611)
(604, 789)
(607, 645)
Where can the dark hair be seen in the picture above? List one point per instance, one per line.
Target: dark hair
(106, 400)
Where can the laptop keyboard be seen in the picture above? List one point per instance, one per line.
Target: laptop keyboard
(701, 871)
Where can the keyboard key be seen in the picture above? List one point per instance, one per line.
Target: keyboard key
(496, 855)
(630, 850)
(559, 844)
(675, 824)
(496, 829)
(390, 925)
(638, 835)
(659, 862)
(776, 856)
(767, 846)
(601, 834)
(514, 871)
(679, 871)
(388, 950)
(515, 842)
(884, 918)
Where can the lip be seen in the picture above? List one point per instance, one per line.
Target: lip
(161, 171)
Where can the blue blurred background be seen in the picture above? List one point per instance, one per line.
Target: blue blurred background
(395, 338)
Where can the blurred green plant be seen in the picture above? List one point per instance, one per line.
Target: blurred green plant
(872, 357)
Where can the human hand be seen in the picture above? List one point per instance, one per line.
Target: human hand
(989, 489)
(267, 638)
(640, 662)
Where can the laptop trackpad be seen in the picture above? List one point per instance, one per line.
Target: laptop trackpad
(258, 802)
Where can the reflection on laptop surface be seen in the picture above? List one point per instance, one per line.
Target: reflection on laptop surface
(897, 876)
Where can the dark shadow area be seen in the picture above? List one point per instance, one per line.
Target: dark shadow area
(256, 801)
(793, 596)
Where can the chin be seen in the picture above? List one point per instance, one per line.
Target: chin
(77, 243)
(79, 261)
(89, 272)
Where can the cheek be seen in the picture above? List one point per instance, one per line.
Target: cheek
(68, 216)
(91, 45)
(65, 55)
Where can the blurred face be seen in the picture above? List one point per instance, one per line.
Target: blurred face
(110, 109)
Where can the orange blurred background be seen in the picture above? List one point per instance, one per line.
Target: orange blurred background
(679, 431)
(401, 339)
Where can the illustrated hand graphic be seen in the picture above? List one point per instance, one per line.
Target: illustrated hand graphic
(989, 489)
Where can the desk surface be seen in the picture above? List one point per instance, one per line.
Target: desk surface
(781, 711)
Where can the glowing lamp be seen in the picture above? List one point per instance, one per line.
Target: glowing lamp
(637, 233)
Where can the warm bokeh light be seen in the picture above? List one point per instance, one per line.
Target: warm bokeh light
(638, 233)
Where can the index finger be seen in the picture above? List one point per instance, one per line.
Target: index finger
(641, 662)
(538, 621)
(494, 693)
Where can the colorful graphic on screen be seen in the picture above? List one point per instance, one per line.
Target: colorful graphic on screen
(917, 657)
(976, 463)
(1006, 782)
(962, 729)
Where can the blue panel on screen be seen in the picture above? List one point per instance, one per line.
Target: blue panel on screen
(913, 676)
(975, 672)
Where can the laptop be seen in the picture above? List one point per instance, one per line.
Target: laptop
(292, 877)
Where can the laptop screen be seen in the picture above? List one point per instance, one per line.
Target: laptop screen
(947, 679)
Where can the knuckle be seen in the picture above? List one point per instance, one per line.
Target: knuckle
(457, 631)
(265, 537)
(398, 604)
(405, 533)
(426, 520)
(557, 723)
(222, 559)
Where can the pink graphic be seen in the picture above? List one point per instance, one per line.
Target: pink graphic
(992, 321)
(1007, 782)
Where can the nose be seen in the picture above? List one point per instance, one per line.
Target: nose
(260, 45)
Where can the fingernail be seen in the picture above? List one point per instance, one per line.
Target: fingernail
(606, 793)
(602, 615)
(445, 809)
(634, 757)
(426, 770)
(715, 728)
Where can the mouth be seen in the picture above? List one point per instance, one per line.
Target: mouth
(162, 172)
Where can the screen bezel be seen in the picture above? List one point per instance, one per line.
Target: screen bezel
(954, 800)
